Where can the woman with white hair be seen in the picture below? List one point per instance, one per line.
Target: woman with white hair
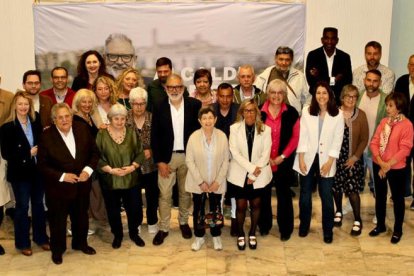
(141, 120)
(121, 156)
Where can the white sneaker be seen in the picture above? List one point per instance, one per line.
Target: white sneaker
(197, 244)
(374, 219)
(217, 243)
(347, 208)
(91, 232)
(152, 229)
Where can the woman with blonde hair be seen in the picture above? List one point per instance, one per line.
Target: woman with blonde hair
(19, 139)
(84, 106)
(128, 79)
(249, 170)
(106, 95)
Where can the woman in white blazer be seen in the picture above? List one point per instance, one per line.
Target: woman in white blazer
(320, 140)
(207, 159)
(249, 170)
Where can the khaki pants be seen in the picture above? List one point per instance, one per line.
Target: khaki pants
(179, 172)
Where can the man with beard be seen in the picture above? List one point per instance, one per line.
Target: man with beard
(32, 82)
(60, 92)
(372, 102)
(373, 51)
(327, 63)
(119, 54)
(173, 121)
(298, 92)
(157, 88)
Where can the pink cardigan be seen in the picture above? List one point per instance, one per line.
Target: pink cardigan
(399, 144)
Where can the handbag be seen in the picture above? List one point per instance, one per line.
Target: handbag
(211, 219)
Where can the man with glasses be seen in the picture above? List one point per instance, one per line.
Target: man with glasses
(173, 121)
(32, 82)
(329, 64)
(119, 54)
(298, 92)
(60, 92)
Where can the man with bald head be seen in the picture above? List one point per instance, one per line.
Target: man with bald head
(173, 121)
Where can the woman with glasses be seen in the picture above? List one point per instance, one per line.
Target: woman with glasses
(91, 65)
(349, 178)
(203, 81)
(106, 95)
(249, 170)
(141, 120)
(320, 140)
(128, 79)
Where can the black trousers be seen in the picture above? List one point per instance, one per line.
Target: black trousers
(214, 203)
(149, 182)
(58, 211)
(396, 180)
(284, 210)
(132, 203)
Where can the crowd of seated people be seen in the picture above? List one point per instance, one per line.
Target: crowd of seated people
(89, 150)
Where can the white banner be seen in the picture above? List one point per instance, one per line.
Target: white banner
(216, 36)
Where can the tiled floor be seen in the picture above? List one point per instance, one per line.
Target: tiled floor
(347, 255)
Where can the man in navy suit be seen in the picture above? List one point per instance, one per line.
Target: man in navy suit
(173, 121)
(329, 64)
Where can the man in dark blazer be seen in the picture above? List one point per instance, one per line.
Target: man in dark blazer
(173, 121)
(329, 64)
(67, 155)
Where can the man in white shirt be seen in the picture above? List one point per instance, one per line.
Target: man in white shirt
(373, 52)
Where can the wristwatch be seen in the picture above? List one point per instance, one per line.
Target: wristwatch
(283, 156)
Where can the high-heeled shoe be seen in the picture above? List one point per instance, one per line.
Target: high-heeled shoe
(252, 242)
(241, 243)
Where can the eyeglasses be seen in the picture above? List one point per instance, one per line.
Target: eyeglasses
(284, 50)
(175, 88)
(249, 111)
(115, 57)
(139, 104)
(33, 83)
(351, 97)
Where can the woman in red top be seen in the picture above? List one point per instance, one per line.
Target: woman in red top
(280, 115)
(390, 146)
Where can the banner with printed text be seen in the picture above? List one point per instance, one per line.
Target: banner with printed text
(216, 36)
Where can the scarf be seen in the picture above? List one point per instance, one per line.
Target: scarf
(386, 131)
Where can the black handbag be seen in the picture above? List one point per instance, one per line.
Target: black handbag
(212, 218)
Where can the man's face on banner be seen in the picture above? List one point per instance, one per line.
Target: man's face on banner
(120, 54)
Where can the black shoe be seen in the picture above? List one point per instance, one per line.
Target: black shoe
(252, 242)
(116, 243)
(57, 258)
(241, 243)
(303, 233)
(328, 239)
(159, 238)
(376, 231)
(10, 213)
(264, 232)
(2, 252)
(88, 250)
(186, 231)
(138, 241)
(396, 238)
(284, 237)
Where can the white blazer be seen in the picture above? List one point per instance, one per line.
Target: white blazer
(196, 160)
(329, 145)
(240, 165)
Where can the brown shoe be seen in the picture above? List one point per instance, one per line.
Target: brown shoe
(27, 252)
(45, 247)
(186, 231)
(159, 238)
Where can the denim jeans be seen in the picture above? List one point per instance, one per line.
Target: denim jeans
(25, 191)
(368, 165)
(326, 195)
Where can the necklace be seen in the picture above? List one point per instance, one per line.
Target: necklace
(117, 136)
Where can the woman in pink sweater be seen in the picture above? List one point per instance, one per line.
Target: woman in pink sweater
(390, 146)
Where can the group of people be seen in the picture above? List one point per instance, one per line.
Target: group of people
(89, 150)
